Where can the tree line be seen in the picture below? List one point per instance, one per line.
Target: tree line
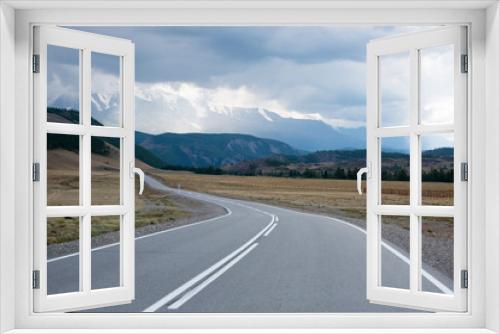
(397, 174)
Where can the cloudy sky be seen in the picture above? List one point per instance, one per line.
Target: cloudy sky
(188, 76)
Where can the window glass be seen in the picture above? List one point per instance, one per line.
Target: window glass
(63, 85)
(106, 160)
(106, 88)
(437, 253)
(63, 258)
(436, 85)
(394, 76)
(395, 171)
(106, 233)
(437, 169)
(395, 242)
(63, 169)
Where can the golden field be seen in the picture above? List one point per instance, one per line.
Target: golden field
(335, 197)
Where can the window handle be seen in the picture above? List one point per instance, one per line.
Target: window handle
(134, 170)
(364, 170)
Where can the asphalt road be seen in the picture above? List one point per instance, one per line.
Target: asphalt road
(254, 258)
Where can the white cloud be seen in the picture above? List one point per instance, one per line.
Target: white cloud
(311, 88)
(437, 88)
(187, 107)
(63, 86)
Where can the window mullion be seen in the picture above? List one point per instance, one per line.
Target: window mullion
(86, 242)
(414, 174)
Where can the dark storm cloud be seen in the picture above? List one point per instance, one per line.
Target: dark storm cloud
(300, 72)
(197, 54)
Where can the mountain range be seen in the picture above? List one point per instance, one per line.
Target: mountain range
(200, 150)
(241, 154)
(304, 134)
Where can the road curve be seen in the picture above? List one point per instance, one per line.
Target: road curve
(255, 258)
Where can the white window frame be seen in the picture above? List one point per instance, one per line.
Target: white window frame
(16, 20)
(86, 44)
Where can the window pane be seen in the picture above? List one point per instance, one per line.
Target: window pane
(437, 253)
(105, 261)
(63, 166)
(395, 171)
(63, 259)
(394, 74)
(437, 169)
(63, 85)
(395, 231)
(106, 90)
(436, 85)
(105, 171)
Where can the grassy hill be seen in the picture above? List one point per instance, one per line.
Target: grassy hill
(201, 150)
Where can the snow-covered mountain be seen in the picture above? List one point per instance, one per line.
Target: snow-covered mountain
(189, 108)
(305, 134)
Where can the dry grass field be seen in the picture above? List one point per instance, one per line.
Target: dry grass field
(335, 197)
(326, 196)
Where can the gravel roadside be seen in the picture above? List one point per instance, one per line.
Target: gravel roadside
(437, 252)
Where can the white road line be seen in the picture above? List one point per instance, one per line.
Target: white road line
(210, 279)
(186, 286)
(228, 213)
(277, 218)
(436, 282)
(270, 230)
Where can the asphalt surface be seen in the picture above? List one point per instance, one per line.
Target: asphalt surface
(254, 258)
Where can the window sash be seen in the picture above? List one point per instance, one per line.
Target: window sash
(414, 297)
(86, 297)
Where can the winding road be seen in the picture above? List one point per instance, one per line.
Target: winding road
(254, 258)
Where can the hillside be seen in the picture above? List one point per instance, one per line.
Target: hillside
(100, 145)
(199, 150)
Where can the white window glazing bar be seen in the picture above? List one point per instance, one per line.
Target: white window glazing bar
(414, 173)
(86, 249)
(77, 129)
(418, 129)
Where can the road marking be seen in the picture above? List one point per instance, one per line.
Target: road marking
(440, 285)
(210, 279)
(436, 282)
(277, 218)
(228, 213)
(270, 230)
(186, 286)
